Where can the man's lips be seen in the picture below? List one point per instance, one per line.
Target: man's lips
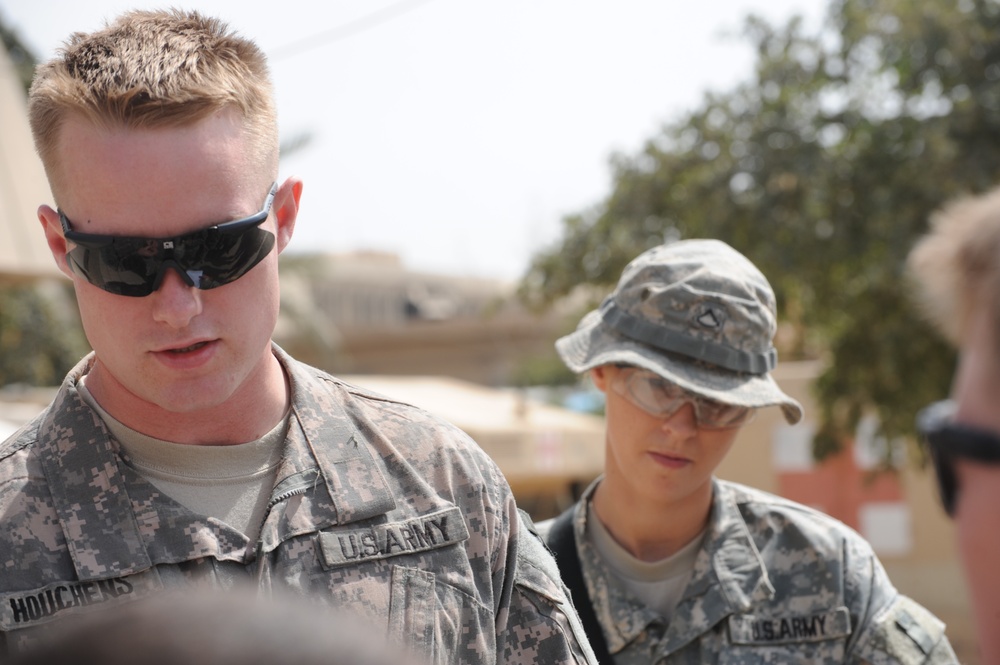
(187, 355)
(187, 348)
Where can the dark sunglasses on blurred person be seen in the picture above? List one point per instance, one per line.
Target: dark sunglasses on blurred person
(946, 441)
(205, 259)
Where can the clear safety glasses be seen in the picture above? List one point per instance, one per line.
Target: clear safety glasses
(661, 398)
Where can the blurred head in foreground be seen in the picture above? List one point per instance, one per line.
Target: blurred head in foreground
(209, 627)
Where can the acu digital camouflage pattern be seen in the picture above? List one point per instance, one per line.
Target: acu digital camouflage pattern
(379, 508)
(775, 582)
(696, 312)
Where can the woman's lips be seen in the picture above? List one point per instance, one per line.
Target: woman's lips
(670, 460)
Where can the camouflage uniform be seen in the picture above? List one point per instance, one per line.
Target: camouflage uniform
(775, 582)
(378, 507)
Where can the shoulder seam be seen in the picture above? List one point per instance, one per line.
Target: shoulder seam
(19, 440)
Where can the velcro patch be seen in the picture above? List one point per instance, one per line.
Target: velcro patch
(418, 534)
(21, 609)
(909, 625)
(755, 629)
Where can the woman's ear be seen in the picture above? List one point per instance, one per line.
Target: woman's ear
(599, 377)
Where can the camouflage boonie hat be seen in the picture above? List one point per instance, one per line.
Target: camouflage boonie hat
(697, 313)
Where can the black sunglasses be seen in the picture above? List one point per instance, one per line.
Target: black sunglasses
(205, 259)
(946, 440)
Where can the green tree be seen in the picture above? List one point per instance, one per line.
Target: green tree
(823, 169)
(41, 337)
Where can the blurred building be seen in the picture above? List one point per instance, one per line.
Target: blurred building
(379, 317)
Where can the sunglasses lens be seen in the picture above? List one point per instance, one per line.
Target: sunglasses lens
(942, 441)
(123, 266)
(221, 257)
(947, 482)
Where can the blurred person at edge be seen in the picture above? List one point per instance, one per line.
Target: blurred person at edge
(668, 564)
(956, 268)
(207, 626)
(190, 450)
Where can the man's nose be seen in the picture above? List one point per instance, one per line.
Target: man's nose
(176, 303)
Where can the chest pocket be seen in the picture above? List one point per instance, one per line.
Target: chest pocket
(439, 623)
(788, 638)
(386, 573)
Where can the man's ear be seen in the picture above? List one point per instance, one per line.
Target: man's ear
(286, 210)
(54, 237)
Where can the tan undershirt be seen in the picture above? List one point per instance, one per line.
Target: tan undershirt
(231, 483)
(658, 584)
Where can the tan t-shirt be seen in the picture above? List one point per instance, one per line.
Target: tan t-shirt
(658, 584)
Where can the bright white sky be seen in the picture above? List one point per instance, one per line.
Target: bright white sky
(458, 133)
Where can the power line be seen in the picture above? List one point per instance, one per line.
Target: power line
(355, 27)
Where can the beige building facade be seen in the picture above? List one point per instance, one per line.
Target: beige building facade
(375, 316)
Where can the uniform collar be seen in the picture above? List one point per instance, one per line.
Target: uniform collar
(622, 617)
(729, 577)
(323, 438)
(87, 486)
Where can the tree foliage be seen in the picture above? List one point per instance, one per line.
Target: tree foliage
(41, 337)
(823, 169)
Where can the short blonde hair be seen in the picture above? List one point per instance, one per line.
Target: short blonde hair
(957, 265)
(150, 69)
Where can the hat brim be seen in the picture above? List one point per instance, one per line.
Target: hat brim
(594, 344)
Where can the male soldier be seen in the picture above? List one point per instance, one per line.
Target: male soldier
(668, 564)
(190, 450)
(957, 267)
